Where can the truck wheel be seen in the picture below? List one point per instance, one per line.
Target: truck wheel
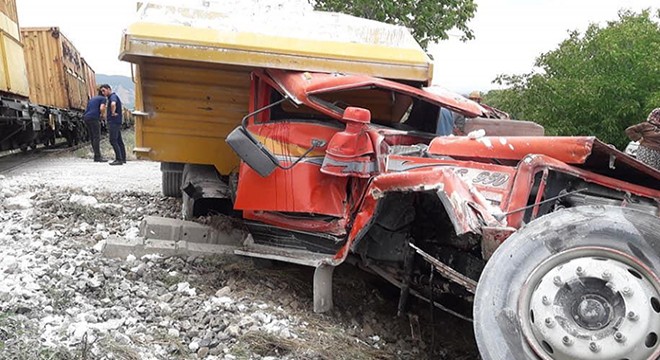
(580, 283)
(172, 183)
(172, 178)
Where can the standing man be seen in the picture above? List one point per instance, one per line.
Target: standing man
(92, 117)
(114, 124)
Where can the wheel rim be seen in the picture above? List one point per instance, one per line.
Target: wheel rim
(591, 303)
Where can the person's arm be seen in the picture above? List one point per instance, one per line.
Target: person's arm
(102, 109)
(113, 108)
(635, 132)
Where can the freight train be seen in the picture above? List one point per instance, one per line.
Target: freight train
(44, 85)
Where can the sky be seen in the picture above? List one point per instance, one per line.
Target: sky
(510, 34)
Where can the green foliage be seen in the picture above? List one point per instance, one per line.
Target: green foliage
(596, 83)
(429, 20)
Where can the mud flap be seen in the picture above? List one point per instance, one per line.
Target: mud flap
(204, 192)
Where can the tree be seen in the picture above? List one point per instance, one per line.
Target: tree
(598, 83)
(429, 20)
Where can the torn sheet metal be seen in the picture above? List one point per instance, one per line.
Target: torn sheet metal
(571, 150)
(304, 85)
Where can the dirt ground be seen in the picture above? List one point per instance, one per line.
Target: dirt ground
(61, 299)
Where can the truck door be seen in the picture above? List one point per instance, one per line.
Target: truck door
(287, 132)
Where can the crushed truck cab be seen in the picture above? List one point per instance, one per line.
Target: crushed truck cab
(346, 168)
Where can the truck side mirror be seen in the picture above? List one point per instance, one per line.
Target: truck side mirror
(252, 152)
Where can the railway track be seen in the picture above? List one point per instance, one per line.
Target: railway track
(13, 160)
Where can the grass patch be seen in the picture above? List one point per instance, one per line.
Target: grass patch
(88, 214)
(60, 300)
(128, 136)
(19, 341)
(336, 346)
(110, 346)
(266, 344)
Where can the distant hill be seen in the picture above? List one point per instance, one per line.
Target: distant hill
(122, 85)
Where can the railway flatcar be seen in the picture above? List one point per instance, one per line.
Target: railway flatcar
(44, 85)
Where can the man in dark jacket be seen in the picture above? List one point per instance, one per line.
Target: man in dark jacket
(648, 132)
(114, 124)
(92, 117)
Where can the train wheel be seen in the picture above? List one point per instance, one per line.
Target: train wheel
(70, 138)
(49, 140)
(580, 283)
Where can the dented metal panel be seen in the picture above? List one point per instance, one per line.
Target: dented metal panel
(13, 72)
(303, 188)
(571, 150)
(302, 85)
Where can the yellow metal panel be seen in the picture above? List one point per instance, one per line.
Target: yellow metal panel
(18, 79)
(8, 7)
(250, 42)
(44, 65)
(13, 73)
(196, 150)
(258, 50)
(90, 79)
(191, 109)
(9, 26)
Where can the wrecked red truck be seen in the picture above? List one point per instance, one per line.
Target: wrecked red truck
(554, 239)
(550, 245)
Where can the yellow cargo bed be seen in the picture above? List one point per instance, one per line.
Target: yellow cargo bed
(193, 64)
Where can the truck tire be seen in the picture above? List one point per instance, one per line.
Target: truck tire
(172, 183)
(580, 283)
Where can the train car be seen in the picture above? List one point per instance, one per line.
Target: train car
(59, 78)
(44, 85)
(14, 88)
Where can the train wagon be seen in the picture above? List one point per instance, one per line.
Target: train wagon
(44, 85)
(14, 88)
(59, 78)
(57, 74)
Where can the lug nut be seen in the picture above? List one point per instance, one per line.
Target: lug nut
(557, 281)
(627, 291)
(579, 271)
(567, 341)
(610, 285)
(632, 316)
(545, 300)
(594, 347)
(549, 322)
(618, 336)
(607, 275)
